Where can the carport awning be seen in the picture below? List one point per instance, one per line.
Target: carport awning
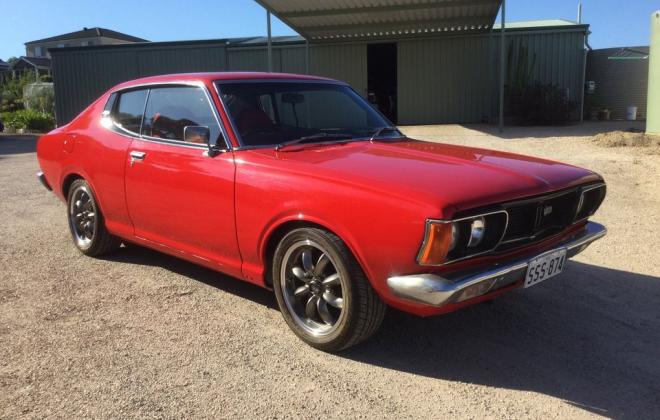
(332, 20)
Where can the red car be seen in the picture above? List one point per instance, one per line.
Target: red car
(299, 185)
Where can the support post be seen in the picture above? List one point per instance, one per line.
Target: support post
(270, 42)
(502, 65)
(584, 75)
(307, 57)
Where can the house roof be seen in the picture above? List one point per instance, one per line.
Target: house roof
(319, 20)
(4, 65)
(90, 33)
(41, 62)
(629, 53)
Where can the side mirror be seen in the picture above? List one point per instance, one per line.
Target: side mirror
(196, 134)
(201, 135)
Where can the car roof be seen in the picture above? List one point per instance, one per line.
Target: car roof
(217, 76)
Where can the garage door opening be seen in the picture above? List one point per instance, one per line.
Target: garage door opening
(382, 78)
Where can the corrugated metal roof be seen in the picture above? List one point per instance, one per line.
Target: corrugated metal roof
(545, 23)
(630, 53)
(319, 20)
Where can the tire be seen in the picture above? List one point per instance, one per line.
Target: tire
(322, 292)
(86, 222)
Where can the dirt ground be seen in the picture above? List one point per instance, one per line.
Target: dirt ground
(140, 334)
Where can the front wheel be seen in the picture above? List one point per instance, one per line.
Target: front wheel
(322, 292)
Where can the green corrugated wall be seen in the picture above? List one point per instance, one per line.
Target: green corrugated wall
(455, 80)
(450, 79)
(82, 74)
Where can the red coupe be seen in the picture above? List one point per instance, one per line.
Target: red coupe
(299, 185)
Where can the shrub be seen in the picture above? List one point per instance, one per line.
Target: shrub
(29, 120)
(545, 104)
(11, 92)
(39, 97)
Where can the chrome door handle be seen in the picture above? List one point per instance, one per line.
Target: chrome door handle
(137, 156)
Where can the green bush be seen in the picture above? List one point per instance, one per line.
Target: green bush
(28, 119)
(11, 92)
(546, 104)
(39, 97)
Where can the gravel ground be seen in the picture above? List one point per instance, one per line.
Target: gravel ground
(140, 334)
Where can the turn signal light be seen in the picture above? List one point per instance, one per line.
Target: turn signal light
(439, 239)
(476, 290)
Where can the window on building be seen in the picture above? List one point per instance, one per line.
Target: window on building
(38, 51)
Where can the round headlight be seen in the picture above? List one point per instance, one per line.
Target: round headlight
(454, 236)
(477, 231)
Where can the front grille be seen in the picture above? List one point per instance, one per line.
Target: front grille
(535, 218)
(540, 217)
(521, 221)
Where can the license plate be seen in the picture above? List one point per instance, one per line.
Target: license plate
(545, 267)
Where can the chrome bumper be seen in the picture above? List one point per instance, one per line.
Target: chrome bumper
(432, 289)
(42, 178)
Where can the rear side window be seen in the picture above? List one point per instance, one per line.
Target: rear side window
(111, 103)
(129, 109)
(170, 109)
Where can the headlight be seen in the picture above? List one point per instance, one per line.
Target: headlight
(446, 241)
(591, 197)
(477, 232)
(454, 237)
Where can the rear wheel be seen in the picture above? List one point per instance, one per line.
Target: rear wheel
(322, 292)
(86, 222)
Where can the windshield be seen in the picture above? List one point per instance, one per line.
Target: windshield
(277, 113)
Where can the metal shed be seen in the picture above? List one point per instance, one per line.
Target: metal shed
(621, 76)
(434, 75)
(328, 20)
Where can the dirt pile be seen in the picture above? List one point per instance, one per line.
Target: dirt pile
(628, 139)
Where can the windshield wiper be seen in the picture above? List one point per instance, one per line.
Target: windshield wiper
(381, 130)
(313, 137)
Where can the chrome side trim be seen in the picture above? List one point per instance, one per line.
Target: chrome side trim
(436, 290)
(427, 233)
(42, 179)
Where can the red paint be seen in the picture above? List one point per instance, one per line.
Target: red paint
(221, 211)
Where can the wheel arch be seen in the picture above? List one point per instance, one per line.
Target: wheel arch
(73, 175)
(275, 235)
(68, 181)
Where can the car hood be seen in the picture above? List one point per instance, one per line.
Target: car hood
(453, 177)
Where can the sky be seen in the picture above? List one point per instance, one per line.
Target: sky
(614, 23)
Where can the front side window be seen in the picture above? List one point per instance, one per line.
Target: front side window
(129, 109)
(170, 109)
(274, 113)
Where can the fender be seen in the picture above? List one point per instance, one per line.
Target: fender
(336, 229)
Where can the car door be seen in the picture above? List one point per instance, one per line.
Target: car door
(177, 195)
